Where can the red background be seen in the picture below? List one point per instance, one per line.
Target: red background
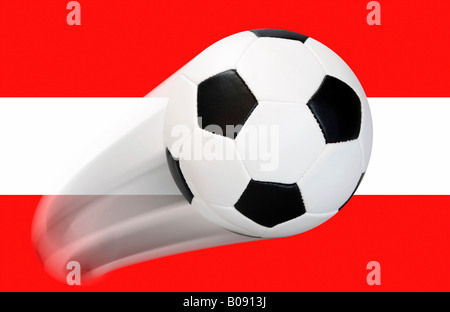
(407, 235)
(125, 48)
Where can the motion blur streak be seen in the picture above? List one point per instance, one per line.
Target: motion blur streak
(122, 208)
(106, 232)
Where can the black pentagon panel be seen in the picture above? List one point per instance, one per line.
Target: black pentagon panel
(225, 99)
(269, 204)
(357, 185)
(337, 108)
(279, 33)
(177, 175)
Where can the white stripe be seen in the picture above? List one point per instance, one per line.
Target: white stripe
(44, 142)
(411, 149)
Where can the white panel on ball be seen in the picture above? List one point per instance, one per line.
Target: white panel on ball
(334, 65)
(221, 56)
(213, 169)
(333, 177)
(209, 213)
(298, 225)
(230, 214)
(279, 141)
(181, 115)
(280, 70)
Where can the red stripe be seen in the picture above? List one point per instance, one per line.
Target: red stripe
(407, 235)
(125, 48)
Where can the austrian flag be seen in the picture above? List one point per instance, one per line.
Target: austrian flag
(238, 146)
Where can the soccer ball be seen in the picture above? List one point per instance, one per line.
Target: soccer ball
(268, 133)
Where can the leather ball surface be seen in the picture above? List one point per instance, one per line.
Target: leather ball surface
(268, 133)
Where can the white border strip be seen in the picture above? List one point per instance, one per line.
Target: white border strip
(46, 141)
